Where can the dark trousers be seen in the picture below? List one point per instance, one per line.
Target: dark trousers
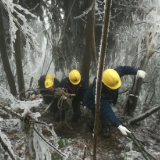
(60, 114)
(76, 110)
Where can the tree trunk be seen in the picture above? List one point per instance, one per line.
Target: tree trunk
(19, 65)
(100, 68)
(3, 50)
(30, 151)
(18, 59)
(134, 94)
(89, 43)
(132, 99)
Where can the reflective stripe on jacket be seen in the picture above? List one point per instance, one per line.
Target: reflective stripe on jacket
(78, 90)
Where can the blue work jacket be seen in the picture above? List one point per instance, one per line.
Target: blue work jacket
(78, 89)
(107, 97)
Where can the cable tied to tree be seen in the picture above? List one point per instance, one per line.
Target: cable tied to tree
(64, 99)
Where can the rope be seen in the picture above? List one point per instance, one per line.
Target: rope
(64, 99)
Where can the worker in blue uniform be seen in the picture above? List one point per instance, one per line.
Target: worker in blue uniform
(76, 86)
(111, 82)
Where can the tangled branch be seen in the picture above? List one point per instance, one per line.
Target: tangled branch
(29, 120)
(145, 154)
(58, 151)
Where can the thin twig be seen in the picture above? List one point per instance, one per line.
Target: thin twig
(85, 150)
(42, 114)
(11, 112)
(40, 122)
(58, 151)
(139, 145)
(5, 147)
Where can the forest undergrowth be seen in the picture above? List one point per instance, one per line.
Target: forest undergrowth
(77, 138)
(114, 147)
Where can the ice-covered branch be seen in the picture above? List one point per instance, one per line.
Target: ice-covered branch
(84, 12)
(8, 110)
(8, 99)
(24, 27)
(6, 145)
(58, 151)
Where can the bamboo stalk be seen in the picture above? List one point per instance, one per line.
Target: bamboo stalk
(100, 68)
(139, 145)
(145, 154)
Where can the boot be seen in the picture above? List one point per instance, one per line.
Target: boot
(90, 125)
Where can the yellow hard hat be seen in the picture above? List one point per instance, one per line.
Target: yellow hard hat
(50, 76)
(74, 77)
(111, 79)
(48, 83)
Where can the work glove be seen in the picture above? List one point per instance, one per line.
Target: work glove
(123, 130)
(141, 74)
(33, 96)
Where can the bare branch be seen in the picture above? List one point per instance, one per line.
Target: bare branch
(147, 41)
(8, 110)
(58, 151)
(145, 154)
(5, 147)
(144, 115)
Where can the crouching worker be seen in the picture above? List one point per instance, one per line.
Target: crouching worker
(76, 86)
(111, 82)
(47, 84)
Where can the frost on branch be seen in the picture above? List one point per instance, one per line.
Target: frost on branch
(23, 135)
(8, 99)
(20, 21)
(25, 130)
(5, 143)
